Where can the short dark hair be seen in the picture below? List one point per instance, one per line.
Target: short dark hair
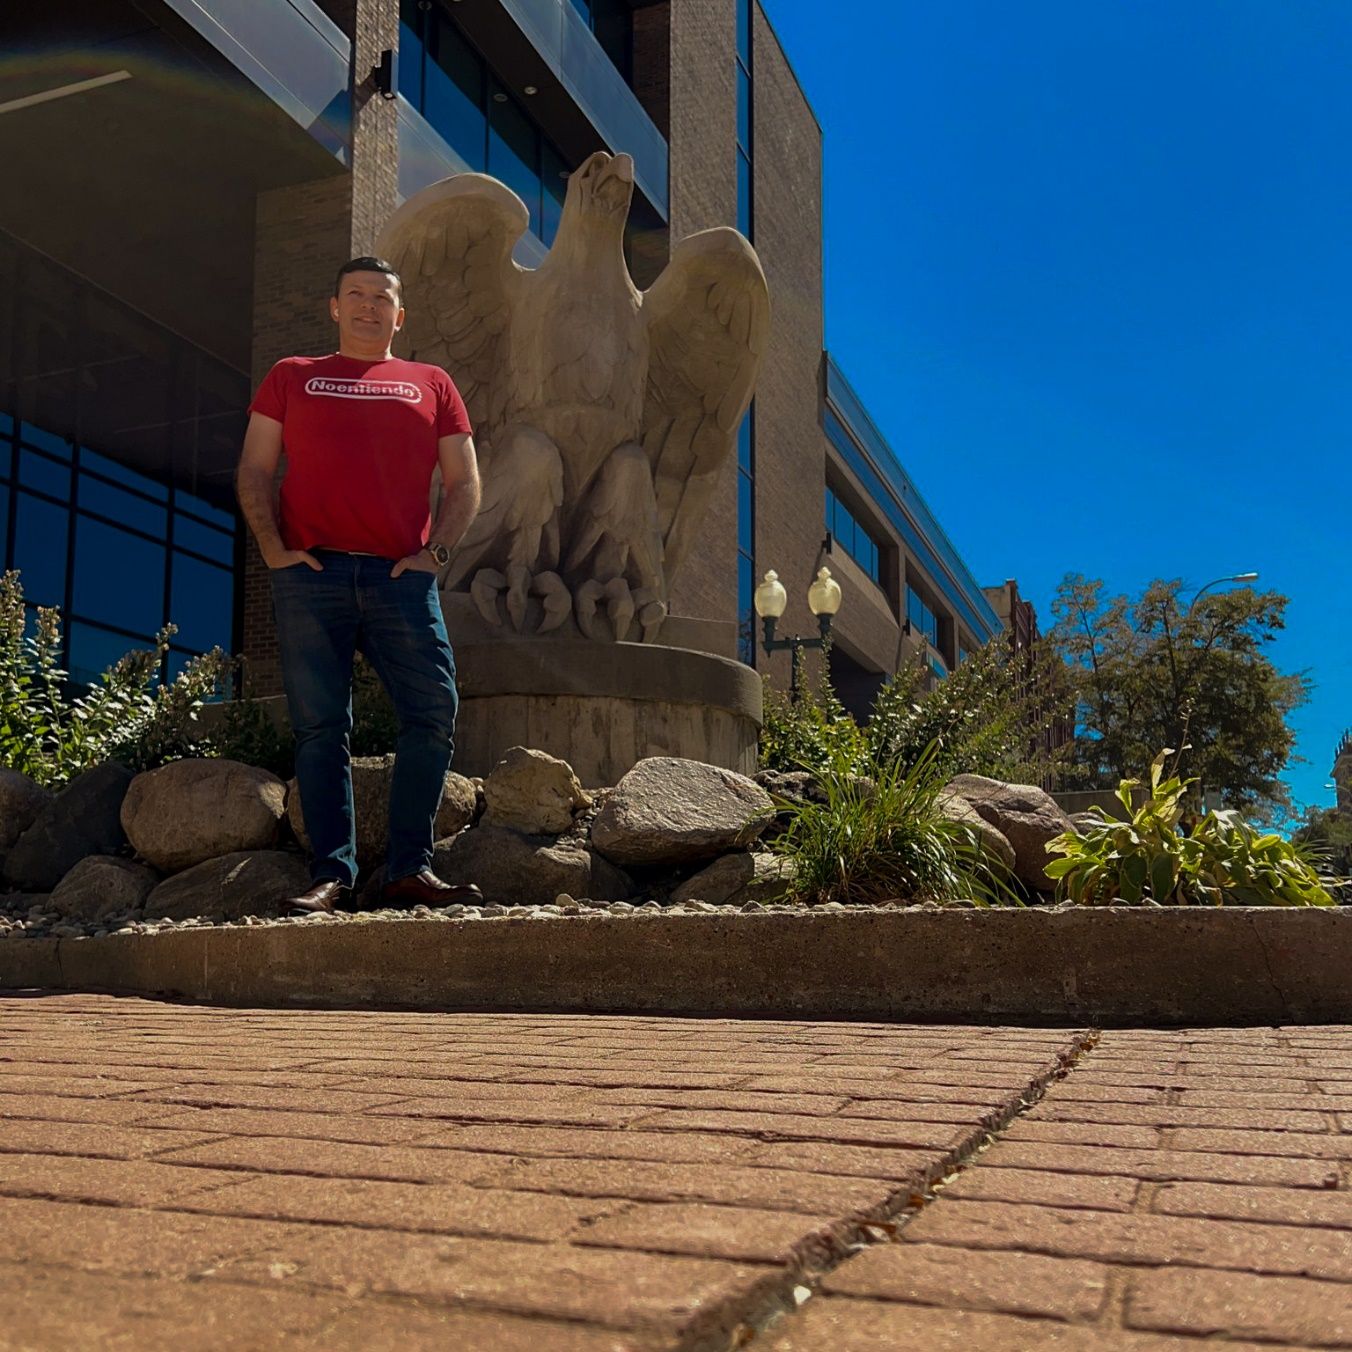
(366, 263)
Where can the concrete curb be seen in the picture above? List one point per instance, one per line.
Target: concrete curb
(1109, 966)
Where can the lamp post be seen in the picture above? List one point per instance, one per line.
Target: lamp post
(770, 600)
(1220, 581)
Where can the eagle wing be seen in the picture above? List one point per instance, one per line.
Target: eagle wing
(452, 244)
(708, 320)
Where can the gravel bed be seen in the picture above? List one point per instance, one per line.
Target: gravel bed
(31, 917)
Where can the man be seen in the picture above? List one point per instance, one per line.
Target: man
(353, 557)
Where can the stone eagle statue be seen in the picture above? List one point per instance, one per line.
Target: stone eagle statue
(603, 415)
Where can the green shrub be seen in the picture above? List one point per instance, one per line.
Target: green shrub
(885, 837)
(1150, 859)
(815, 733)
(51, 730)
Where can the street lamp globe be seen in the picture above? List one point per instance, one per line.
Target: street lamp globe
(823, 596)
(770, 598)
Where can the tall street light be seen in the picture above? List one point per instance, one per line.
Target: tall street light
(1220, 582)
(770, 600)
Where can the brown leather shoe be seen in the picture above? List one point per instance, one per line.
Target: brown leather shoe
(326, 896)
(424, 888)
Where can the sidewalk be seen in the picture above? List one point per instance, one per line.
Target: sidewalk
(176, 1176)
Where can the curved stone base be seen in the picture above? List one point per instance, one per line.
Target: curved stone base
(603, 707)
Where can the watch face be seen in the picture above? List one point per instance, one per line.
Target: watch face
(440, 553)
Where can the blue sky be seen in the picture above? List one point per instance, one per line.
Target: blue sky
(1107, 318)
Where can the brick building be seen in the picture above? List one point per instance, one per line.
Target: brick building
(185, 174)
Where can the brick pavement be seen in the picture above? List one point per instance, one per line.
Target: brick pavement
(177, 1176)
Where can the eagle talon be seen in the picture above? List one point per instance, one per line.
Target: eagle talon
(517, 585)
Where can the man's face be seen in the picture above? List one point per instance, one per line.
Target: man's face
(367, 309)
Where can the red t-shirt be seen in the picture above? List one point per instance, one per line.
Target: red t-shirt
(361, 444)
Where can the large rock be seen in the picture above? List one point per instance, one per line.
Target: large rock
(533, 792)
(231, 887)
(672, 811)
(103, 885)
(83, 819)
(513, 869)
(993, 841)
(371, 778)
(20, 802)
(193, 810)
(738, 878)
(1025, 815)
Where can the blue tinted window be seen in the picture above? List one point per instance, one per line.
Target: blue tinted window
(744, 194)
(410, 65)
(120, 474)
(6, 424)
(743, 109)
(453, 96)
(125, 508)
(514, 153)
(190, 534)
(4, 526)
(93, 650)
(119, 578)
(6, 458)
(746, 611)
(201, 603)
(744, 443)
(186, 502)
(583, 7)
(744, 32)
(554, 181)
(745, 527)
(40, 549)
(45, 441)
(47, 476)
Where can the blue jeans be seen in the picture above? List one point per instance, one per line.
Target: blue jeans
(323, 620)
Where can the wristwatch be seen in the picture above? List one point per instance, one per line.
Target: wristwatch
(441, 556)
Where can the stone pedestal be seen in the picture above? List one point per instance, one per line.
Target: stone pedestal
(602, 707)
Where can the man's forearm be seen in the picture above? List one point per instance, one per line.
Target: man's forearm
(458, 509)
(258, 503)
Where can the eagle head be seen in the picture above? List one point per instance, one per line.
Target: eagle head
(603, 185)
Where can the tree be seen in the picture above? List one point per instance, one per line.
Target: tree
(1155, 672)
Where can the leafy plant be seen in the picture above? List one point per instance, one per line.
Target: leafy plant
(1150, 858)
(875, 839)
(993, 715)
(816, 733)
(51, 730)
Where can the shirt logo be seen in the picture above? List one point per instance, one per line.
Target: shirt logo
(404, 390)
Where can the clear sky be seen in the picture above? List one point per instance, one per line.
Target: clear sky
(1089, 263)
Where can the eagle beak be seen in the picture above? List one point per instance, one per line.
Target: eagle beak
(622, 167)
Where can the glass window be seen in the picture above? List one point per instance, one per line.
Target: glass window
(744, 443)
(94, 649)
(127, 509)
(554, 180)
(411, 52)
(44, 440)
(746, 609)
(743, 109)
(453, 94)
(215, 544)
(199, 507)
(745, 518)
(6, 457)
(744, 32)
(4, 525)
(119, 577)
(110, 469)
(202, 598)
(744, 194)
(6, 425)
(514, 152)
(40, 539)
(584, 8)
(47, 476)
